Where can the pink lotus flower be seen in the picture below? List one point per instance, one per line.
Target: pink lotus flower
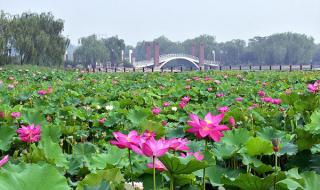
(188, 87)
(267, 99)
(182, 104)
(232, 122)
(164, 123)
(152, 147)
(102, 120)
(15, 115)
(29, 133)
(261, 93)
(42, 92)
(197, 155)
(185, 99)
(207, 78)
(220, 95)
(239, 99)
(196, 78)
(2, 115)
(253, 106)
(223, 109)
(208, 127)
(158, 165)
(156, 111)
(178, 144)
(276, 101)
(188, 80)
(125, 141)
(148, 134)
(312, 88)
(209, 89)
(50, 90)
(166, 104)
(4, 160)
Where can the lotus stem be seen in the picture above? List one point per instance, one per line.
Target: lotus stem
(276, 169)
(130, 165)
(154, 174)
(204, 169)
(171, 184)
(30, 152)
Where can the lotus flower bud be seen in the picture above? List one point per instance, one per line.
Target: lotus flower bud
(275, 143)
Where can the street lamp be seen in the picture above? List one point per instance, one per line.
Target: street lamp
(214, 55)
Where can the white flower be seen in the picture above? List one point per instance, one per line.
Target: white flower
(136, 185)
(109, 107)
(174, 108)
(10, 86)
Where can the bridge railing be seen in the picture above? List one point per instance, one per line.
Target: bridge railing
(211, 63)
(208, 67)
(143, 63)
(166, 56)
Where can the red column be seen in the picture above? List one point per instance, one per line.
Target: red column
(156, 53)
(148, 50)
(193, 50)
(201, 55)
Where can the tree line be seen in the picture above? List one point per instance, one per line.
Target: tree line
(32, 38)
(99, 50)
(283, 48)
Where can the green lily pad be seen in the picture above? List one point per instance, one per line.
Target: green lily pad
(32, 177)
(6, 137)
(176, 165)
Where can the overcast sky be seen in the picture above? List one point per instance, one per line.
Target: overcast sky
(136, 20)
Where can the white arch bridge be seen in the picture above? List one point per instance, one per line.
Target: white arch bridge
(169, 58)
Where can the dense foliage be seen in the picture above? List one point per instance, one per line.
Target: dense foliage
(31, 38)
(56, 128)
(283, 48)
(93, 50)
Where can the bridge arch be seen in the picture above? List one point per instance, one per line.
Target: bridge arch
(187, 60)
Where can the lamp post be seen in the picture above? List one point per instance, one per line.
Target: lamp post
(214, 55)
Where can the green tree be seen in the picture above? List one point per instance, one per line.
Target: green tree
(91, 51)
(5, 44)
(231, 51)
(283, 48)
(35, 38)
(316, 56)
(115, 46)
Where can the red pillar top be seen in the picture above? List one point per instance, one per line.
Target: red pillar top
(148, 50)
(156, 53)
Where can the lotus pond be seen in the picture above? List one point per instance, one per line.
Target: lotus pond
(63, 130)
